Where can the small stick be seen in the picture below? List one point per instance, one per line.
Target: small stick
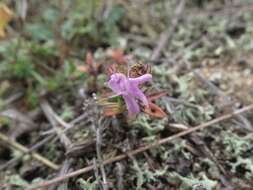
(99, 156)
(144, 148)
(65, 168)
(119, 176)
(23, 149)
(13, 98)
(54, 121)
(42, 142)
(166, 36)
(33, 148)
(107, 8)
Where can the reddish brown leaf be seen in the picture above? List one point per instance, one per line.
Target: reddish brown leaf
(118, 56)
(112, 110)
(154, 111)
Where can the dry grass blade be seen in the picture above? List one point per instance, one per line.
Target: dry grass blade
(13, 161)
(51, 116)
(147, 147)
(34, 155)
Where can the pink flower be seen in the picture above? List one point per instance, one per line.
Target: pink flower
(129, 89)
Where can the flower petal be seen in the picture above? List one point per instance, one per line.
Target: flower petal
(132, 106)
(118, 83)
(128, 88)
(141, 79)
(137, 93)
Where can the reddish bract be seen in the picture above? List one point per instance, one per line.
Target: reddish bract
(154, 111)
(118, 56)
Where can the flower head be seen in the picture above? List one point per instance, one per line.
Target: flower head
(129, 89)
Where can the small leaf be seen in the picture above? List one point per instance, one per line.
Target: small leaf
(87, 184)
(112, 109)
(39, 32)
(154, 111)
(93, 65)
(17, 181)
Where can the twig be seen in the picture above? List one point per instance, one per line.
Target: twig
(96, 171)
(147, 147)
(65, 168)
(119, 176)
(70, 124)
(23, 149)
(54, 119)
(51, 116)
(34, 147)
(41, 143)
(181, 101)
(107, 8)
(166, 36)
(99, 156)
(13, 98)
(98, 127)
(178, 126)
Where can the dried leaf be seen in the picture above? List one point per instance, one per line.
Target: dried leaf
(5, 16)
(112, 110)
(154, 111)
(93, 65)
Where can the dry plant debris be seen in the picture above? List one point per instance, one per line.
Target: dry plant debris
(63, 127)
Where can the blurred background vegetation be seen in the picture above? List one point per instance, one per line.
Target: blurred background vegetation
(45, 43)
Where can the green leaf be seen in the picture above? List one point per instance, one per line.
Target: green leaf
(87, 184)
(17, 181)
(114, 16)
(23, 67)
(38, 32)
(38, 77)
(51, 15)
